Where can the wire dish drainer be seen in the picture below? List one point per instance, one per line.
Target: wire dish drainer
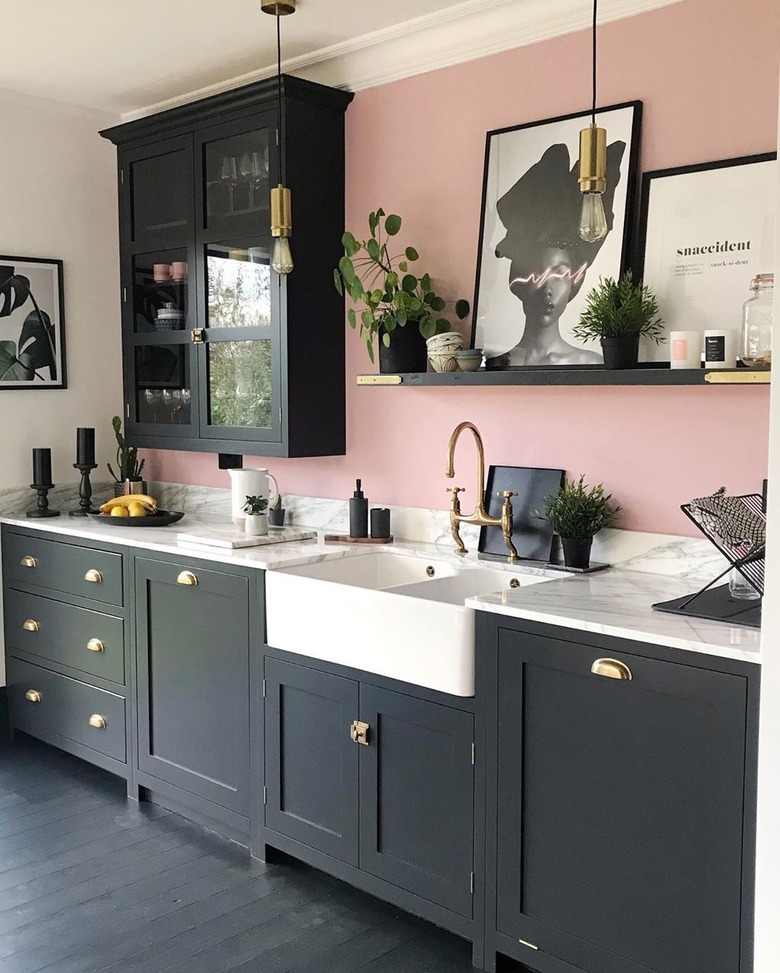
(745, 556)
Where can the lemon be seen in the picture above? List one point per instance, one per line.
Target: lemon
(136, 509)
(119, 512)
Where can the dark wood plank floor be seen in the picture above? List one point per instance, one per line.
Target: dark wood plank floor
(89, 882)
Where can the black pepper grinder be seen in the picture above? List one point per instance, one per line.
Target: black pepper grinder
(358, 513)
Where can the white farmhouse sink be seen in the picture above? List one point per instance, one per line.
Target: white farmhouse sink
(386, 613)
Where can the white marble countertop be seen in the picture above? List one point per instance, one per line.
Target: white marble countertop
(615, 602)
(618, 602)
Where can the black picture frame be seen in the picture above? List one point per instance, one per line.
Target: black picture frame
(713, 308)
(53, 309)
(502, 325)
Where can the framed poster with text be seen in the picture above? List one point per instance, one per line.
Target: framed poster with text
(706, 231)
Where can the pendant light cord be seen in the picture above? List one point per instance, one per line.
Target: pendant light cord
(595, 20)
(279, 94)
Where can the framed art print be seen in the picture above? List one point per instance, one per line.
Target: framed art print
(534, 270)
(32, 339)
(706, 232)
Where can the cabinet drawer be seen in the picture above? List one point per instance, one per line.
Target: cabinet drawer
(63, 567)
(86, 640)
(67, 707)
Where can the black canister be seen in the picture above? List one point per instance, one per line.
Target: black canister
(380, 523)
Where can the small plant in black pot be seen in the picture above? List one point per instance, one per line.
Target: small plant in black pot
(276, 513)
(577, 512)
(619, 313)
(127, 477)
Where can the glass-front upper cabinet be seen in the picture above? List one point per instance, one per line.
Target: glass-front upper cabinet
(234, 162)
(159, 198)
(240, 373)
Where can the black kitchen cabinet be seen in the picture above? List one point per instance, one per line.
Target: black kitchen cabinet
(377, 779)
(192, 643)
(221, 354)
(623, 806)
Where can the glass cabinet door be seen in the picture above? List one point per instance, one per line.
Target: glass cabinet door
(240, 371)
(234, 162)
(157, 183)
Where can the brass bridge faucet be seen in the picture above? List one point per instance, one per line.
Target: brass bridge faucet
(480, 515)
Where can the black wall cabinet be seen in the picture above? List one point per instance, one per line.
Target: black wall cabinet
(221, 354)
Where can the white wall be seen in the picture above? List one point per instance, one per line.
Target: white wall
(58, 199)
(767, 949)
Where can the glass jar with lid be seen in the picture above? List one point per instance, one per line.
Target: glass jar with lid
(757, 323)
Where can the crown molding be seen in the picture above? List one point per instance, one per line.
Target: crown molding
(463, 32)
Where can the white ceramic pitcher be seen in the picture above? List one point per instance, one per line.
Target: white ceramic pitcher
(250, 483)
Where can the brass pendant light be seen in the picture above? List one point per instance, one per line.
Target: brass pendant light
(593, 166)
(281, 197)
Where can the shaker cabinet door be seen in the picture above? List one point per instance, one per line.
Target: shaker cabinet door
(620, 809)
(157, 193)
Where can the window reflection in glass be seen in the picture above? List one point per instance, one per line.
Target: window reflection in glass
(239, 287)
(240, 383)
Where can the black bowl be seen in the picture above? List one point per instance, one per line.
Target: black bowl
(161, 519)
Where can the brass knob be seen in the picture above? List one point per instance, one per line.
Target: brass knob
(33, 696)
(98, 721)
(187, 577)
(611, 668)
(95, 577)
(95, 645)
(28, 561)
(30, 625)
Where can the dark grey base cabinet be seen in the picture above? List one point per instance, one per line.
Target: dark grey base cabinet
(192, 635)
(623, 808)
(377, 779)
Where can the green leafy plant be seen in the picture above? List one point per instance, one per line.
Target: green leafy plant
(620, 309)
(127, 462)
(277, 503)
(578, 511)
(255, 505)
(392, 295)
(21, 361)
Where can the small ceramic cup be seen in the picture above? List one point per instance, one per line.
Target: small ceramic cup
(179, 270)
(161, 273)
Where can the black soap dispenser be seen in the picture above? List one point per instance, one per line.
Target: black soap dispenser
(358, 513)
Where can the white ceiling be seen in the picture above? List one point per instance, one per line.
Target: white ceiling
(129, 56)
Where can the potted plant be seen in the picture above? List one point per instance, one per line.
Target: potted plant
(577, 512)
(401, 307)
(256, 522)
(128, 477)
(619, 313)
(276, 513)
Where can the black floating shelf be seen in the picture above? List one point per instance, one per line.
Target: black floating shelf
(652, 375)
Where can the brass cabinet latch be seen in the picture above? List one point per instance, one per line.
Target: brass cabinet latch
(198, 335)
(358, 732)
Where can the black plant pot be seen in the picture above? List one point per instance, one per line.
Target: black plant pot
(276, 517)
(407, 352)
(576, 551)
(123, 487)
(620, 352)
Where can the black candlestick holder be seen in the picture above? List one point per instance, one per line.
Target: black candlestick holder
(42, 509)
(85, 490)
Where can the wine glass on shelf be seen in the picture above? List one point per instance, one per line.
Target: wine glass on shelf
(229, 176)
(245, 171)
(186, 398)
(153, 397)
(259, 175)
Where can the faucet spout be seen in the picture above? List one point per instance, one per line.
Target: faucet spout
(450, 471)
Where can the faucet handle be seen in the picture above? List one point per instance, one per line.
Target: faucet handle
(506, 494)
(456, 490)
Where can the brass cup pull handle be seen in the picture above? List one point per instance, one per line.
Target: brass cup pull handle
(95, 645)
(30, 625)
(187, 577)
(611, 668)
(358, 732)
(28, 561)
(93, 576)
(33, 696)
(99, 722)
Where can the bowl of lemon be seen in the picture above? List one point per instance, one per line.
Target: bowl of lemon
(135, 510)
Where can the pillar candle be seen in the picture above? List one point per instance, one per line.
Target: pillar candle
(85, 447)
(42, 467)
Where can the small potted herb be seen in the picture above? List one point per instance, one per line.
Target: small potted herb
(619, 313)
(402, 308)
(276, 513)
(577, 512)
(127, 478)
(256, 522)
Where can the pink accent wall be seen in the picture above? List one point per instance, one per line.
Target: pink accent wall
(707, 72)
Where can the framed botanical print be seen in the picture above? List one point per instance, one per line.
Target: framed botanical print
(32, 337)
(706, 231)
(534, 270)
